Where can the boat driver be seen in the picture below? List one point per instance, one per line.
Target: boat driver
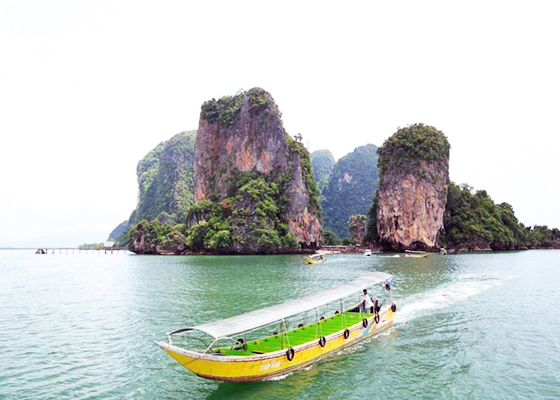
(367, 303)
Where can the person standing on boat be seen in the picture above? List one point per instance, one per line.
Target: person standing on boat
(367, 303)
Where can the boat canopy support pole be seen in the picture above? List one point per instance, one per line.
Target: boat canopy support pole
(285, 333)
(316, 322)
(210, 346)
(342, 314)
(321, 326)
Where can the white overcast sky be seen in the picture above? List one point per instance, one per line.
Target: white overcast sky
(87, 88)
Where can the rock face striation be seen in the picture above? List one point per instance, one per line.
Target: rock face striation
(414, 179)
(258, 177)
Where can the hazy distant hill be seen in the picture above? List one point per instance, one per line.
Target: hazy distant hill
(350, 189)
(323, 163)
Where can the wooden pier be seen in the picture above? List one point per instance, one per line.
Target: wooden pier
(75, 250)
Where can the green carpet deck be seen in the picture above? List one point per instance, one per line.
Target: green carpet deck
(298, 336)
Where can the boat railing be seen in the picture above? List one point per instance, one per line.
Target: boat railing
(254, 325)
(282, 328)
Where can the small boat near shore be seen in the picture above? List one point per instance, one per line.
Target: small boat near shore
(367, 253)
(416, 254)
(314, 259)
(265, 343)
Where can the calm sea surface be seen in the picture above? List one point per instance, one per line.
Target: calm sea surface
(480, 326)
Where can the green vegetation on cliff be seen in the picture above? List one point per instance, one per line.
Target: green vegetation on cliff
(408, 147)
(225, 110)
(165, 184)
(157, 238)
(165, 180)
(352, 184)
(253, 219)
(473, 221)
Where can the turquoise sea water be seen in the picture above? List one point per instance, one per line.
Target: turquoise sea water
(470, 326)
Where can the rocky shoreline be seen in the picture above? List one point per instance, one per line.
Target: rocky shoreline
(327, 250)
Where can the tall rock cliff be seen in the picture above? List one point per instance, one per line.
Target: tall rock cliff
(352, 185)
(253, 183)
(414, 179)
(165, 184)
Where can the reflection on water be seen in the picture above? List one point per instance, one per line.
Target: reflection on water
(82, 326)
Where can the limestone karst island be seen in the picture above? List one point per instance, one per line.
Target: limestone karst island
(241, 184)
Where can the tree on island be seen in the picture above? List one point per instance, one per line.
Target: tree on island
(357, 228)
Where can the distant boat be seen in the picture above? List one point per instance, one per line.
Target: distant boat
(416, 254)
(367, 253)
(314, 259)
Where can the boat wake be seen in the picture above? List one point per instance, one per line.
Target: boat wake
(425, 303)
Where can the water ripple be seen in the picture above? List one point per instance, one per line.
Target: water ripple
(469, 326)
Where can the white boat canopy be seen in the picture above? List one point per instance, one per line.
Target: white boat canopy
(266, 316)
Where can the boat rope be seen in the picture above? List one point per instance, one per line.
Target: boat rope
(285, 333)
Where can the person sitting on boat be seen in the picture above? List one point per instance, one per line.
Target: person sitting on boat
(367, 304)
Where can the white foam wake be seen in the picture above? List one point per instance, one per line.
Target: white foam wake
(425, 303)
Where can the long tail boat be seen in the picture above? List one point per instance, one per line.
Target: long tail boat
(314, 259)
(243, 349)
(416, 254)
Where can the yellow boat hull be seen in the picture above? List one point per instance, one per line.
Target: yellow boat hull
(265, 366)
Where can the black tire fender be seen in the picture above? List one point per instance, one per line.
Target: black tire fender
(365, 322)
(290, 354)
(346, 334)
(322, 341)
(376, 318)
(394, 307)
